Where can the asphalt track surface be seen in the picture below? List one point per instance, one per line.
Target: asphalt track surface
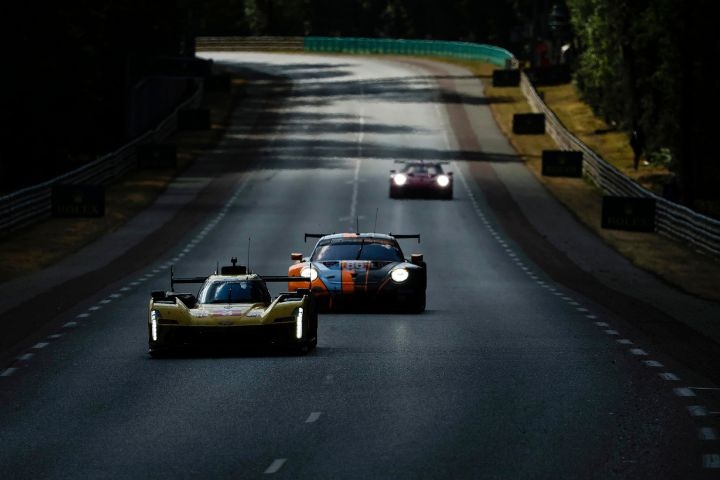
(509, 374)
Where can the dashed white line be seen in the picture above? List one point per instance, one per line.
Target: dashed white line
(638, 351)
(711, 460)
(54, 336)
(8, 371)
(275, 465)
(70, 325)
(707, 433)
(669, 377)
(602, 324)
(627, 341)
(697, 410)
(653, 364)
(26, 356)
(612, 332)
(40, 345)
(82, 315)
(683, 392)
(313, 417)
(106, 301)
(94, 308)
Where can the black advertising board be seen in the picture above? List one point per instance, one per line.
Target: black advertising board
(628, 213)
(562, 163)
(218, 83)
(78, 200)
(529, 123)
(194, 119)
(509, 77)
(155, 155)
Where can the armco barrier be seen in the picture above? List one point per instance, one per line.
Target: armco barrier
(672, 220)
(34, 203)
(464, 50)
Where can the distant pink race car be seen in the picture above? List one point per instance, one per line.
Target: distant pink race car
(419, 179)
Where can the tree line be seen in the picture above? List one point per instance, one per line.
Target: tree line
(642, 63)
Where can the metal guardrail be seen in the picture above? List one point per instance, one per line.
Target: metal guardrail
(249, 44)
(32, 204)
(671, 219)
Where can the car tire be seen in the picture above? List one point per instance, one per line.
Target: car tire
(394, 193)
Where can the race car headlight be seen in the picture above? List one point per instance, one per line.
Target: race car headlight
(443, 180)
(299, 323)
(400, 179)
(399, 275)
(309, 272)
(154, 319)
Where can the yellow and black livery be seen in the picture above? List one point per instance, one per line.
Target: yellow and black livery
(233, 307)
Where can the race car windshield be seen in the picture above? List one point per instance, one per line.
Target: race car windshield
(360, 249)
(234, 292)
(421, 169)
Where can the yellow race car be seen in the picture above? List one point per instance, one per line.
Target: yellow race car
(233, 307)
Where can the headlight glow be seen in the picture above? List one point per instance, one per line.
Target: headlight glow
(400, 179)
(299, 324)
(309, 272)
(399, 275)
(443, 180)
(154, 317)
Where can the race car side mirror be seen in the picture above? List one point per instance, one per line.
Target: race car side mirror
(416, 258)
(296, 257)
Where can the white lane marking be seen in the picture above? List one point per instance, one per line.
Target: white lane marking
(40, 345)
(70, 325)
(125, 289)
(612, 332)
(54, 336)
(275, 465)
(582, 309)
(711, 460)
(601, 324)
(683, 392)
(135, 284)
(626, 341)
(94, 308)
(591, 317)
(638, 351)
(671, 377)
(106, 301)
(653, 364)
(707, 433)
(26, 356)
(115, 295)
(8, 371)
(356, 187)
(82, 315)
(697, 410)
(313, 417)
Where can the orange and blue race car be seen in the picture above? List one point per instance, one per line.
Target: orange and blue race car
(232, 308)
(421, 179)
(351, 270)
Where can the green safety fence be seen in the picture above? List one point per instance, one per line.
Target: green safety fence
(465, 50)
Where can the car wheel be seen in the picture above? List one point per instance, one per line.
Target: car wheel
(394, 193)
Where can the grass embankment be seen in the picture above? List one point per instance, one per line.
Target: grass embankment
(675, 262)
(46, 242)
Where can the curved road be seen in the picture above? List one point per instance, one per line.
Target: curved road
(507, 375)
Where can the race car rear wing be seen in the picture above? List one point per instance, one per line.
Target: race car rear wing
(314, 235)
(400, 236)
